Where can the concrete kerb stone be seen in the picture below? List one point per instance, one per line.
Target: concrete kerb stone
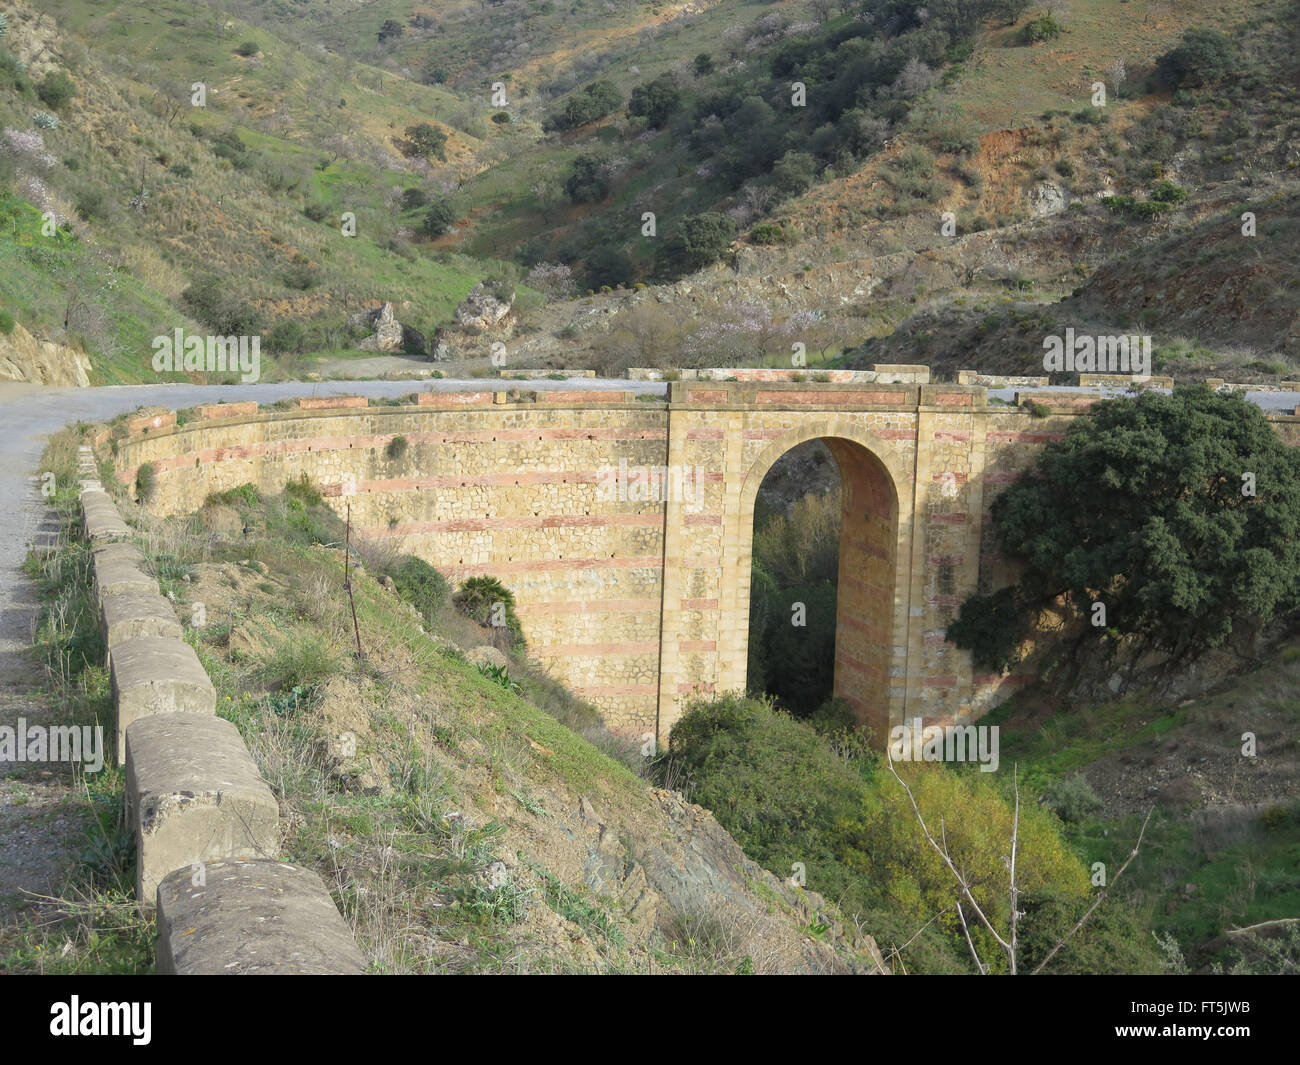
(255, 916)
(117, 551)
(194, 795)
(102, 520)
(128, 615)
(121, 577)
(153, 675)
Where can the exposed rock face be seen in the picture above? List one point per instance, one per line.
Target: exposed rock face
(1046, 199)
(481, 310)
(388, 333)
(24, 357)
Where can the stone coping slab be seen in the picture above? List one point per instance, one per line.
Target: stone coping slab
(193, 795)
(252, 917)
(131, 614)
(156, 675)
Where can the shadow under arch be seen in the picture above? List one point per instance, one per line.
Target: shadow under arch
(875, 550)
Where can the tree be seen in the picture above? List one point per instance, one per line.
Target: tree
(1180, 514)
(1203, 57)
(595, 101)
(438, 218)
(1117, 71)
(390, 28)
(425, 141)
(794, 173)
(590, 180)
(699, 240)
(703, 65)
(656, 100)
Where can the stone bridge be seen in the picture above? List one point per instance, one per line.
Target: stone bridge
(637, 597)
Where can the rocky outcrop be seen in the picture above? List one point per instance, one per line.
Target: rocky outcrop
(484, 315)
(484, 308)
(388, 334)
(24, 357)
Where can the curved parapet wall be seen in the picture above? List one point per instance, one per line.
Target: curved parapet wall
(623, 525)
(206, 825)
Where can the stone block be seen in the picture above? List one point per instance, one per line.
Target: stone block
(131, 614)
(252, 917)
(121, 577)
(155, 675)
(194, 795)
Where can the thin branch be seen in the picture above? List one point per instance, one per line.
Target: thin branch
(1100, 898)
(984, 969)
(1015, 892)
(1262, 924)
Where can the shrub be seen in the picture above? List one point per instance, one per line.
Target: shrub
(317, 212)
(698, 241)
(45, 120)
(395, 448)
(7, 322)
(56, 90)
(655, 100)
(247, 49)
(419, 584)
(208, 298)
(1202, 57)
(1073, 799)
(414, 198)
(13, 73)
(287, 335)
(1042, 28)
(146, 482)
(304, 661)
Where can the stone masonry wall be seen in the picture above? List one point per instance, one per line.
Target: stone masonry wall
(639, 600)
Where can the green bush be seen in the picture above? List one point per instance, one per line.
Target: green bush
(1073, 799)
(7, 322)
(1042, 28)
(438, 218)
(395, 448)
(787, 796)
(243, 494)
(1202, 57)
(419, 584)
(425, 141)
(56, 90)
(304, 662)
(304, 491)
(247, 49)
(146, 482)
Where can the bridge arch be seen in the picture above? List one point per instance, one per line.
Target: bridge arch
(874, 556)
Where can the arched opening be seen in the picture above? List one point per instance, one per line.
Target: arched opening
(824, 551)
